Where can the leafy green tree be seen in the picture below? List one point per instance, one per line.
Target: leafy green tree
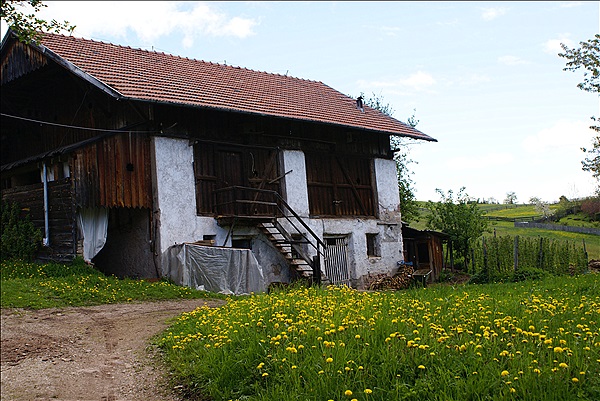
(409, 208)
(587, 57)
(511, 198)
(27, 26)
(458, 217)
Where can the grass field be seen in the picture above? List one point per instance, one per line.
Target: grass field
(526, 341)
(37, 286)
(592, 242)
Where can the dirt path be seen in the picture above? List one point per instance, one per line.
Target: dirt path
(98, 353)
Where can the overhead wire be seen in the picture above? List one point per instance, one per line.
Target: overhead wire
(73, 126)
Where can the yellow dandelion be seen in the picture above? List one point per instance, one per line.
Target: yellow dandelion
(348, 393)
(575, 380)
(504, 373)
(329, 360)
(368, 391)
(421, 367)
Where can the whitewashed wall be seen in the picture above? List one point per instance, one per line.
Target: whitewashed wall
(175, 207)
(175, 195)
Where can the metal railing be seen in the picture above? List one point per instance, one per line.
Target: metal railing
(252, 203)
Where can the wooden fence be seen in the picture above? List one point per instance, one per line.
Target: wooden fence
(500, 257)
(558, 227)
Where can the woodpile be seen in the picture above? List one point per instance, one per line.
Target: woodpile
(399, 281)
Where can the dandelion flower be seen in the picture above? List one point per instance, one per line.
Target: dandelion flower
(575, 380)
(504, 373)
(563, 365)
(368, 391)
(329, 360)
(421, 367)
(348, 393)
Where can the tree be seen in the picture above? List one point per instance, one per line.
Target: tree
(592, 162)
(511, 198)
(461, 219)
(28, 27)
(409, 209)
(587, 57)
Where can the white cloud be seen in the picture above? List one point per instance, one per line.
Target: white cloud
(489, 14)
(418, 81)
(149, 20)
(563, 135)
(552, 46)
(512, 60)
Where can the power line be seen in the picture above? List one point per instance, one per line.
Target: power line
(73, 126)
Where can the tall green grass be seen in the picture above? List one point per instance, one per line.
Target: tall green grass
(37, 286)
(529, 341)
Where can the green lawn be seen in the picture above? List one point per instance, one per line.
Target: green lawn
(535, 340)
(37, 286)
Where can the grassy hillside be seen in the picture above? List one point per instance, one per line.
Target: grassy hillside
(592, 242)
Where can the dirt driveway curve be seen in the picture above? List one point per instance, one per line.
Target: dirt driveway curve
(98, 353)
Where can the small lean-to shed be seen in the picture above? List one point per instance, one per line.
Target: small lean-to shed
(122, 155)
(424, 249)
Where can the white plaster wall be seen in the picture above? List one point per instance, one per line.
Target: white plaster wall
(175, 195)
(176, 205)
(387, 189)
(294, 184)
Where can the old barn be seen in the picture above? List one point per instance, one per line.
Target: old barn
(219, 177)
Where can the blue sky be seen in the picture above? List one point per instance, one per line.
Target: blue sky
(484, 77)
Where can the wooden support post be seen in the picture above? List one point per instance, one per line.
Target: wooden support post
(316, 269)
(516, 253)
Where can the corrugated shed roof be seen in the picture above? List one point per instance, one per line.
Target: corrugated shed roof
(153, 76)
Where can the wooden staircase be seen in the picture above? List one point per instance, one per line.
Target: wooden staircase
(292, 247)
(268, 210)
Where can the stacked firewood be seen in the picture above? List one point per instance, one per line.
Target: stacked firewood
(400, 280)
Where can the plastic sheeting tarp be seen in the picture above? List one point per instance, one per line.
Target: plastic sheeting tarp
(93, 223)
(216, 269)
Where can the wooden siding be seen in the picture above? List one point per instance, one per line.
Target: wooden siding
(220, 166)
(339, 186)
(61, 213)
(114, 172)
(20, 59)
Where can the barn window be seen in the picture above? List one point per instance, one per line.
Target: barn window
(373, 245)
(339, 186)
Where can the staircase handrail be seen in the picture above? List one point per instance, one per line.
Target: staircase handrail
(281, 202)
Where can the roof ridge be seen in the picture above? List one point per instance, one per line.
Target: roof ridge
(180, 57)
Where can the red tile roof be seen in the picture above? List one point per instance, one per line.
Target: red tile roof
(152, 76)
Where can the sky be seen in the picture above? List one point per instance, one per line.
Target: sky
(483, 78)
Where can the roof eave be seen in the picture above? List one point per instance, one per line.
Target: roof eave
(424, 137)
(77, 71)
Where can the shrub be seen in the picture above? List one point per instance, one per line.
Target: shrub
(19, 237)
(591, 207)
(528, 274)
